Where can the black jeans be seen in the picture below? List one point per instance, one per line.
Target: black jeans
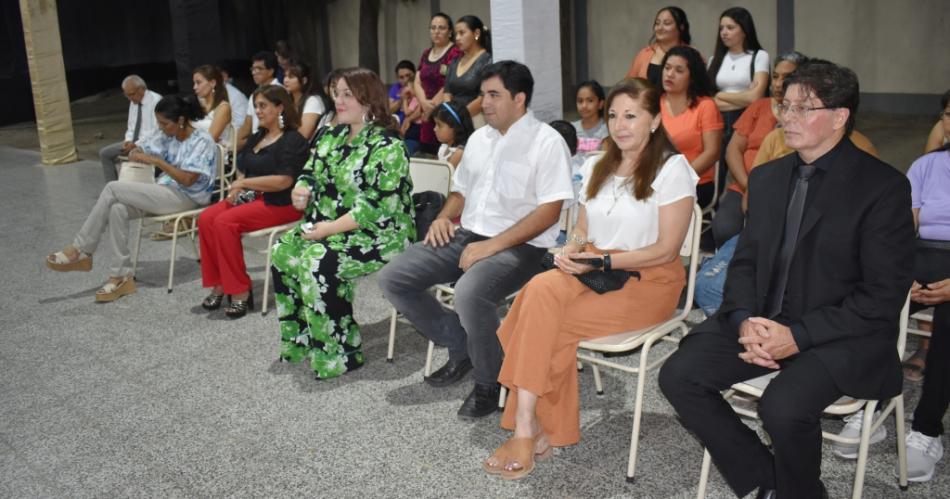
(933, 264)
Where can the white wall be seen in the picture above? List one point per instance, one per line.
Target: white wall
(895, 46)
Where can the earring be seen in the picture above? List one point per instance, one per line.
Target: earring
(652, 130)
(368, 118)
(476, 38)
(280, 121)
(181, 126)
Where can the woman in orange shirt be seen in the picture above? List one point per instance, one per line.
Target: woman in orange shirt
(690, 116)
(760, 118)
(670, 28)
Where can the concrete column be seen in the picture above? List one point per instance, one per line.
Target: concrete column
(44, 53)
(528, 31)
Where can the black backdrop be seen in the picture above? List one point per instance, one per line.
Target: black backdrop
(160, 40)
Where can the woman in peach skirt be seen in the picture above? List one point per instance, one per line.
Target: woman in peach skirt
(635, 209)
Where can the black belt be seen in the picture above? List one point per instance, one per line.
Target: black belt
(933, 244)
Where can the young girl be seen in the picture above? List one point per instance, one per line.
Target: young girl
(591, 129)
(453, 126)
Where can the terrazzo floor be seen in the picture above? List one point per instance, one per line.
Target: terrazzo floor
(151, 396)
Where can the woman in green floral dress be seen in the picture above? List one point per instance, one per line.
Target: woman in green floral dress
(356, 194)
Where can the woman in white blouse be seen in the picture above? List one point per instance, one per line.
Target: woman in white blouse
(309, 99)
(208, 85)
(635, 209)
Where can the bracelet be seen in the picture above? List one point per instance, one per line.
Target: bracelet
(574, 238)
(607, 266)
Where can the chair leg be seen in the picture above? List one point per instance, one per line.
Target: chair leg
(638, 410)
(580, 367)
(428, 369)
(502, 396)
(270, 246)
(597, 382)
(171, 264)
(138, 245)
(901, 443)
(703, 475)
(392, 335)
(868, 419)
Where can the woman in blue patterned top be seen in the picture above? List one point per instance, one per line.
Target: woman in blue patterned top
(186, 157)
(356, 195)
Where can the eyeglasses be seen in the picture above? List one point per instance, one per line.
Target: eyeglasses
(797, 110)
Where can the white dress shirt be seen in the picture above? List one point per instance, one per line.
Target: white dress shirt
(238, 102)
(149, 123)
(250, 108)
(505, 177)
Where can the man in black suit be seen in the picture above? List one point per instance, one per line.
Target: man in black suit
(815, 289)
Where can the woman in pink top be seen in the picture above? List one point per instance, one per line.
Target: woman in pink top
(690, 116)
(670, 28)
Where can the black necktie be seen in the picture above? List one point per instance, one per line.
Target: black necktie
(138, 123)
(793, 222)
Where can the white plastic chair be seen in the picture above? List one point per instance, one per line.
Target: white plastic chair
(710, 208)
(844, 406)
(176, 218)
(426, 175)
(926, 314)
(644, 339)
(270, 233)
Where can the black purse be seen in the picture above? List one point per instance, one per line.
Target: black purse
(599, 281)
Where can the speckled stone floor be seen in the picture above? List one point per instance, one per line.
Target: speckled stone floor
(152, 397)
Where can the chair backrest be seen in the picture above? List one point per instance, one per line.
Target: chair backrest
(219, 161)
(430, 175)
(690, 249)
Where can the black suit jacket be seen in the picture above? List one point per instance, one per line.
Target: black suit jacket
(850, 272)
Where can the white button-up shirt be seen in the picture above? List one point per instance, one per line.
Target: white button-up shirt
(251, 109)
(238, 102)
(505, 177)
(149, 122)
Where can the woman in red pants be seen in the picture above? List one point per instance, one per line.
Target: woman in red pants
(267, 166)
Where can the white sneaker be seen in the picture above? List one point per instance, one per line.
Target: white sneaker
(923, 452)
(852, 429)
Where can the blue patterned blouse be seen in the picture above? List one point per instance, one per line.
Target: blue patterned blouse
(197, 154)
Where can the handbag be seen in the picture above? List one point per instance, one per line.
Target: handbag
(599, 281)
(131, 171)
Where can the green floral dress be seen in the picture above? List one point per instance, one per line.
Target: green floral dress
(314, 280)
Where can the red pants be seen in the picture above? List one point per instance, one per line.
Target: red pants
(219, 231)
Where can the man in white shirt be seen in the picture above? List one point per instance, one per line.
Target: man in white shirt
(508, 189)
(141, 124)
(236, 98)
(263, 67)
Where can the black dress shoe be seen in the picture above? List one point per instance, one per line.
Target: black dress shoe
(765, 493)
(451, 372)
(481, 402)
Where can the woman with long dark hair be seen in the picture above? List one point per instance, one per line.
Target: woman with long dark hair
(670, 29)
(690, 116)
(635, 209)
(430, 78)
(462, 84)
(186, 157)
(355, 193)
(208, 85)
(259, 197)
(309, 99)
(739, 71)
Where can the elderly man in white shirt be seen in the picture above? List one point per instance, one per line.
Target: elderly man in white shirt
(508, 189)
(141, 124)
(263, 68)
